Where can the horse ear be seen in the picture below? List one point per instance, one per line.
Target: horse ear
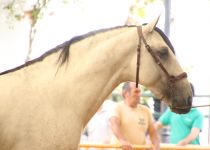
(150, 27)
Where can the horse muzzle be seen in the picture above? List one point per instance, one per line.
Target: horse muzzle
(181, 107)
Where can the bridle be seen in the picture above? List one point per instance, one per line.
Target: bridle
(172, 79)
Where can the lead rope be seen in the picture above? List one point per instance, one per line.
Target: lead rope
(200, 106)
(138, 56)
(193, 106)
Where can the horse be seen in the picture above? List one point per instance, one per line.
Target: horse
(46, 102)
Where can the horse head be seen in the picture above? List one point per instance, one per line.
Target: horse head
(163, 68)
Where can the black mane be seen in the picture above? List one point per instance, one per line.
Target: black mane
(64, 55)
(165, 38)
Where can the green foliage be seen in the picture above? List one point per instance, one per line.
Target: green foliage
(38, 10)
(146, 2)
(65, 1)
(139, 7)
(18, 17)
(9, 7)
(15, 10)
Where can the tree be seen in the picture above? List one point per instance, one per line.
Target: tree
(137, 11)
(34, 15)
(33, 12)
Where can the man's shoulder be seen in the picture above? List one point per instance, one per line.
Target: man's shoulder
(119, 106)
(143, 107)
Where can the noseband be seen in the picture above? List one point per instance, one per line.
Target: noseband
(172, 79)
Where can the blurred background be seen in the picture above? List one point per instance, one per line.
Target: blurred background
(28, 28)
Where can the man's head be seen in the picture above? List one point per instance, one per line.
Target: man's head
(131, 94)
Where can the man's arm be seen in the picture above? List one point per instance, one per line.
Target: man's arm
(192, 136)
(158, 125)
(115, 126)
(154, 137)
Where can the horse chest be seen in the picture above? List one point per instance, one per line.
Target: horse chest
(38, 128)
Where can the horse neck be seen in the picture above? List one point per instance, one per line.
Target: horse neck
(100, 65)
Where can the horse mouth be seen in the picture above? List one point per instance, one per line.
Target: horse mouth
(180, 110)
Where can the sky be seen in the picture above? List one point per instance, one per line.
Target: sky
(190, 36)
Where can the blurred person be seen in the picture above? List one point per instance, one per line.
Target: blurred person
(97, 130)
(184, 128)
(131, 122)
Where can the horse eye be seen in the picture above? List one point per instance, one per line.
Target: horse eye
(163, 54)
